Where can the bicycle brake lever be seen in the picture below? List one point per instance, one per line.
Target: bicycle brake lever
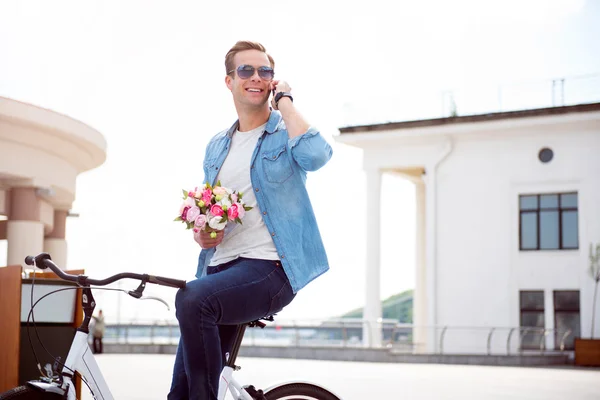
(134, 294)
(157, 299)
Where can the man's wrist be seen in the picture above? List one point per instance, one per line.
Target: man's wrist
(280, 96)
(284, 102)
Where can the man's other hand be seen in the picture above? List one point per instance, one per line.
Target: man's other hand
(205, 241)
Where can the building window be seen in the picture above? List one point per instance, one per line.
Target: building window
(548, 221)
(566, 317)
(531, 303)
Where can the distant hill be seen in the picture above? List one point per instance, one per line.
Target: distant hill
(398, 306)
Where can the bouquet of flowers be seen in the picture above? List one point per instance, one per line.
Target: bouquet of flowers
(211, 208)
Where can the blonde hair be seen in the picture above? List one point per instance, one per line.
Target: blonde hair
(243, 45)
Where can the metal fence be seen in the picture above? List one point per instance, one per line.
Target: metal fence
(349, 333)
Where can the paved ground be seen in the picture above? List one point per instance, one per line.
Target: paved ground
(147, 377)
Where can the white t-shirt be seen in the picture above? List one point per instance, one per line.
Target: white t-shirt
(251, 239)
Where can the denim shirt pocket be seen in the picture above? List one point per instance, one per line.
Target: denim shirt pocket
(211, 170)
(276, 164)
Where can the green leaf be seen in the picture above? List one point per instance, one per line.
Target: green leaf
(248, 208)
(178, 219)
(218, 183)
(238, 220)
(223, 218)
(185, 194)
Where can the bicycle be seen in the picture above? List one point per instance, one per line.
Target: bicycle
(81, 359)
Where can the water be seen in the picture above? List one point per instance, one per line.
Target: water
(147, 377)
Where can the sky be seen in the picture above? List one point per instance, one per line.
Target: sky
(149, 75)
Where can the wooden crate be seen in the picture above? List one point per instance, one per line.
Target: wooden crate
(587, 352)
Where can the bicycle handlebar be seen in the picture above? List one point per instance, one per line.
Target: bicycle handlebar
(44, 261)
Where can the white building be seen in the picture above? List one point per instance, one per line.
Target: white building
(508, 204)
(41, 154)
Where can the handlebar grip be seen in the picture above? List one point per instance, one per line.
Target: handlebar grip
(38, 261)
(160, 280)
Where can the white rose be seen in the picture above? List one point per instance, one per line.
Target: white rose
(225, 202)
(215, 224)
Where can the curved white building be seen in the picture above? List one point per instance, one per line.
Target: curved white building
(41, 154)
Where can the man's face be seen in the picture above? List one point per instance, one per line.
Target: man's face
(254, 91)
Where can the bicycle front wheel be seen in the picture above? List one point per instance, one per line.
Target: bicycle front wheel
(300, 391)
(27, 393)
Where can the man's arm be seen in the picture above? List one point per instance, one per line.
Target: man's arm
(294, 121)
(308, 148)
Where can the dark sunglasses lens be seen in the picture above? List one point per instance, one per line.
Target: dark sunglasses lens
(266, 73)
(245, 71)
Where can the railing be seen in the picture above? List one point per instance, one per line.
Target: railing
(349, 333)
(519, 346)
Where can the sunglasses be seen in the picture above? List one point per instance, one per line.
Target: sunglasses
(247, 71)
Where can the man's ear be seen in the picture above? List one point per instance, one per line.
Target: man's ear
(229, 82)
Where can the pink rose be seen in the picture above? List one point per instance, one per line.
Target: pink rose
(206, 196)
(189, 202)
(184, 213)
(198, 193)
(219, 190)
(232, 212)
(216, 210)
(240, 210)
(192, 213)
(200, 221)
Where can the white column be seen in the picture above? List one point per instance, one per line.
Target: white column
(55, 243)
(25, 231)
(433, 330)
(372, 311)
(549, 317)
(57, 248)
(420, 294)
(25, 238)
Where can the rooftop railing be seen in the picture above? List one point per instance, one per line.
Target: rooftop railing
(482, 99)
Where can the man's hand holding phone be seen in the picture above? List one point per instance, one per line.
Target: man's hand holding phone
(276, 87)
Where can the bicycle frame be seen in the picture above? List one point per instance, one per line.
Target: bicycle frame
(81, 359)
(226, 382)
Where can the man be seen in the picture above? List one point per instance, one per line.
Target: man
(254, 269)
(98, 332)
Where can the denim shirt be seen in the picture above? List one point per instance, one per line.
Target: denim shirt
(278, 174)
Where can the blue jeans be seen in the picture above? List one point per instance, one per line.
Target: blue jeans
(209, 310)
